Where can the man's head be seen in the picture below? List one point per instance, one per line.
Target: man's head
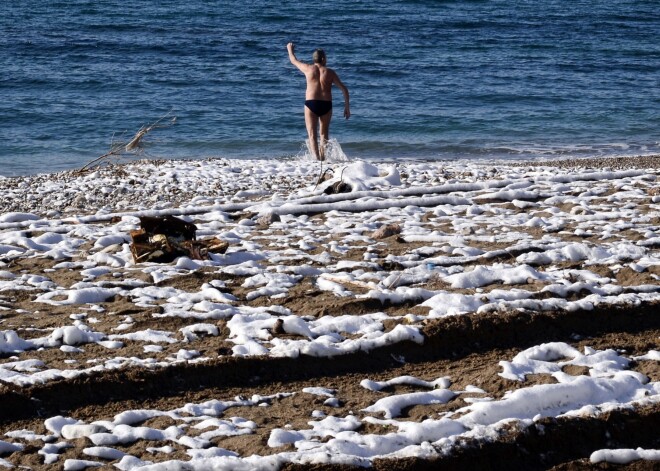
(319, 56)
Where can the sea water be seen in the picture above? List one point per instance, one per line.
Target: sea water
(428, 79)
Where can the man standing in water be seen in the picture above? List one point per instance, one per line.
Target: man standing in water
(318, 98)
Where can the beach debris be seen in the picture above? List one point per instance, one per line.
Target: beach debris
(268, 218)
(338, 187)
(385, 231)
(324, 175)
(362, 176)
(278, 327)
(135, 145)
(163, 239)
(346, 282)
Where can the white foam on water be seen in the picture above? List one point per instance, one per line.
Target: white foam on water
(333, 152)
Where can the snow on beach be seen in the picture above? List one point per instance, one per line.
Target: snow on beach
(306, 276)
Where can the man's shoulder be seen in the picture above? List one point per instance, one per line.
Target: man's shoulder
(329, 71)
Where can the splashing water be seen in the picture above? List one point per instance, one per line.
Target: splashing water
(333, 152)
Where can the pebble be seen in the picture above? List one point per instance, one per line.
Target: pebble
(599, 163)
(125, 187)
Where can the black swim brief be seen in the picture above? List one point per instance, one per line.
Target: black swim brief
(319, 107)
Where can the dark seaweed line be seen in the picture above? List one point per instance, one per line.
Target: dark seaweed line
(448, 338)
(547, 444)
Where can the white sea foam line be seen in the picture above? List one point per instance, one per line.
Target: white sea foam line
(472, 303)
(448, 188)
(410, 191)
(265, 207)
(109, 216)
(368, 205)
(624, 455)
(595, 176)
(572, 396)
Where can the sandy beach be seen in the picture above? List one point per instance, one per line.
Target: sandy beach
(507, 318)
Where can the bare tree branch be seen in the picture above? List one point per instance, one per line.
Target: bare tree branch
(134, 146)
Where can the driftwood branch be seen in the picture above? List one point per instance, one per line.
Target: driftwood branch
(133, 146)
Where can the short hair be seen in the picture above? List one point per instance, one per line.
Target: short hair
(318, 56)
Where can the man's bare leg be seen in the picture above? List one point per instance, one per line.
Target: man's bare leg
(312, 124)
(325, 132)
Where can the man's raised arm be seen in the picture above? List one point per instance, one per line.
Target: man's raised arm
(294, 60)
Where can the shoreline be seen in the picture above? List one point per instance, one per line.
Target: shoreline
(138, 185)
(637, 160)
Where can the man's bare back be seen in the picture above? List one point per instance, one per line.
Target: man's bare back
(319, 82)
(318, 98)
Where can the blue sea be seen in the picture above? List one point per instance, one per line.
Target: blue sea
(428, 79)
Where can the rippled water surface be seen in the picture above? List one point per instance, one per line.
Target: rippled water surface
(431, 79)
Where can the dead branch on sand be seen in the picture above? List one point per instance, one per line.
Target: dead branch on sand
(134, 146)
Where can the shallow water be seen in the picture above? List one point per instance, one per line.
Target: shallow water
(431, 79)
